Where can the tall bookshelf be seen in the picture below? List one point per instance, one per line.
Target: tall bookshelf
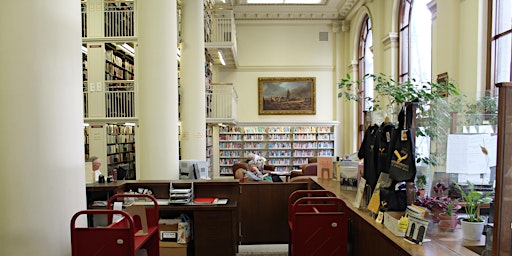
(285, 147)
(121, 148)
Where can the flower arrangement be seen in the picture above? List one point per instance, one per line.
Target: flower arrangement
(442, 203)
(438, 203)
(440, 189)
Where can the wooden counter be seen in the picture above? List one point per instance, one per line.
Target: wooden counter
(368, 237)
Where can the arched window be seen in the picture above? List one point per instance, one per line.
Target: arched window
(501, 45)
(415, 35)
(403, 35)
(365, 65)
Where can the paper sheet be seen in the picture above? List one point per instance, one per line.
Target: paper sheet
(464, 153)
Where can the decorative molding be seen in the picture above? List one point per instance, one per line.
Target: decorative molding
(347, 7)
(280, 68)
(276, 15)
(391, 40)
(336, 26)
(345, 25)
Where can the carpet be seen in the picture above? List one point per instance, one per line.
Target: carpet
(263, 250)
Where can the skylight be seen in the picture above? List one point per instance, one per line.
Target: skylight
(285, 1)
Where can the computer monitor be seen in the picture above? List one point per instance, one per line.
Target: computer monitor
(122, 170)
(193, 170)
(201, 168)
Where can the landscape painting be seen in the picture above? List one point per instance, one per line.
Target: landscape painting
(286, 96)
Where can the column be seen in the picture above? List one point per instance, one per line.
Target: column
(42, 140)
(192, 69)
(157, 67)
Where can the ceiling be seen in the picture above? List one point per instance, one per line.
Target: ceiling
(329, 10)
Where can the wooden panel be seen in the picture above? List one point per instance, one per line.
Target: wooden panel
(214, 233)
(503, 201)
(264, 211)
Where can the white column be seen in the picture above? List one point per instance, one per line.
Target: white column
(42, 140)
(157, 67)
(193, 113)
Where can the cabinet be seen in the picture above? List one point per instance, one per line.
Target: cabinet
(215, 227)
(286, 147)
(121, 148)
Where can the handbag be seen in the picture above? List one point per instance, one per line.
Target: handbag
(393, 200)
(402, 164)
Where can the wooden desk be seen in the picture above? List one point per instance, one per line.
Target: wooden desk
(215, 227)
(370, 238)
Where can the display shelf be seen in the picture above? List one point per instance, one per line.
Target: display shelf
(285, 147)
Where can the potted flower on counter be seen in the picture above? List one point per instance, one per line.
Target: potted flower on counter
(437, 205)
(448, 218)
(473, 225)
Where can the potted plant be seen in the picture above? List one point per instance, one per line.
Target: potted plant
(430, 99)
(421, 182)
(448, 218)
(437, 205)
(473, 225)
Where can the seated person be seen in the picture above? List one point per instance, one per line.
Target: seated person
(262, 167)
(254, 173)
(248, 171)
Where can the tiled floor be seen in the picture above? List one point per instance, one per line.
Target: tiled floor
(263, 250)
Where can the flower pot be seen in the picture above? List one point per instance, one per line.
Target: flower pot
(447, 223)
(472, 230)
(435, 212)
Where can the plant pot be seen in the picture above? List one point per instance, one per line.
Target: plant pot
(447, 223)
(472, 230)
(435, 212)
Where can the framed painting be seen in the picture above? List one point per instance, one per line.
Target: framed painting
(286, 96)
(443, 79)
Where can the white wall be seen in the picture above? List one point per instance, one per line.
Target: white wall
(286, 49)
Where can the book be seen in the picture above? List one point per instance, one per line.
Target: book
(210, 200)
(204, 200)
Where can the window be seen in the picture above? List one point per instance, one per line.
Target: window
(415, 41)
(416, 51)
(365, 64)
(501, 42)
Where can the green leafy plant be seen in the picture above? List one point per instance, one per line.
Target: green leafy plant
(433, 111)
(451, 208)
(421, 181)
(472, 200)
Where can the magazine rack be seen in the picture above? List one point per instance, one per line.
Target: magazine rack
(117, 238)
(318, 226)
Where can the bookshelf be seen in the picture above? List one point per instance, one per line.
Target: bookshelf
(121, 148)
(285, 147)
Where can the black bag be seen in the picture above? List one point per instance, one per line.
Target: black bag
(402, 164)
(393, 200)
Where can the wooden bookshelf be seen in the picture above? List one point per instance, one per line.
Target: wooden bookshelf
(286, 147)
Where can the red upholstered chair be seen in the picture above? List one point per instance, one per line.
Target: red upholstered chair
(310, 169)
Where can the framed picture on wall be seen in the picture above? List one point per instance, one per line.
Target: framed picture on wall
(443, 79)
(286, 96)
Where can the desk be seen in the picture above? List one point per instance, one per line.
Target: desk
(364, 231)
(215, 228)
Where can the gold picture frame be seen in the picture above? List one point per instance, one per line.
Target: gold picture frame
(443, 79)
(286, 96)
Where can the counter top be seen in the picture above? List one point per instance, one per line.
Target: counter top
(442, 243)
